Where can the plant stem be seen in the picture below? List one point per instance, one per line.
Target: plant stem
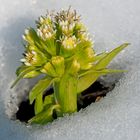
(65, 93)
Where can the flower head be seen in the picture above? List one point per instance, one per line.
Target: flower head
(46, 32)
(58, 37)
(32, 58)
(69, 42)
(44, 21)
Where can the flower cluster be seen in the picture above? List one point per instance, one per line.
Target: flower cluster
(60, 35)
(45, 28)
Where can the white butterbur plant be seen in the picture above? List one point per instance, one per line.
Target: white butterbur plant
(61, 49)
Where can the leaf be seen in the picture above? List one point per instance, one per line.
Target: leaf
(102, 71)
(39, 88)
(86, 81)
(88, 78)
(31, 37)
(107, 58)
(21, 73)
(38, 104)
(50, 46)
(32, 74)
(49, 99)
(46, 115)
(99, 56)
(92, 75)
(109, 71)
(82, 45)
(20, 69)
(85, 51)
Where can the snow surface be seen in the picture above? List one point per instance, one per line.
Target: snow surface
(117, 116)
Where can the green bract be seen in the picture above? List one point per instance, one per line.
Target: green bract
(61, 49)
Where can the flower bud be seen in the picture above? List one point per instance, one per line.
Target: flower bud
(68, 46)
(58, 63)
(74, 67)
(85, 58)
(49, 69)
(55, 67)
(89, 54)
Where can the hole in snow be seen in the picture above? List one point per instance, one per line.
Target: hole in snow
(93, 94)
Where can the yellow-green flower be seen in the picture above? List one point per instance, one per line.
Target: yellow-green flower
(74, 67)
(55, 67)
(69, 43)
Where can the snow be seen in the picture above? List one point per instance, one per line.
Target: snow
(117, 116)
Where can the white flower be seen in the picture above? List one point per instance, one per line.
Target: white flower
(30, 58)
(71, 26)
(41, 19)
(69, 42)
(63, 23)
(45, 20)
(67, 26)
(46, 32)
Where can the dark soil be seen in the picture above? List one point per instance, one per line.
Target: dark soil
(93, 94)
(25, 112)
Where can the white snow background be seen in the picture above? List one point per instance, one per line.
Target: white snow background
(112, 22)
